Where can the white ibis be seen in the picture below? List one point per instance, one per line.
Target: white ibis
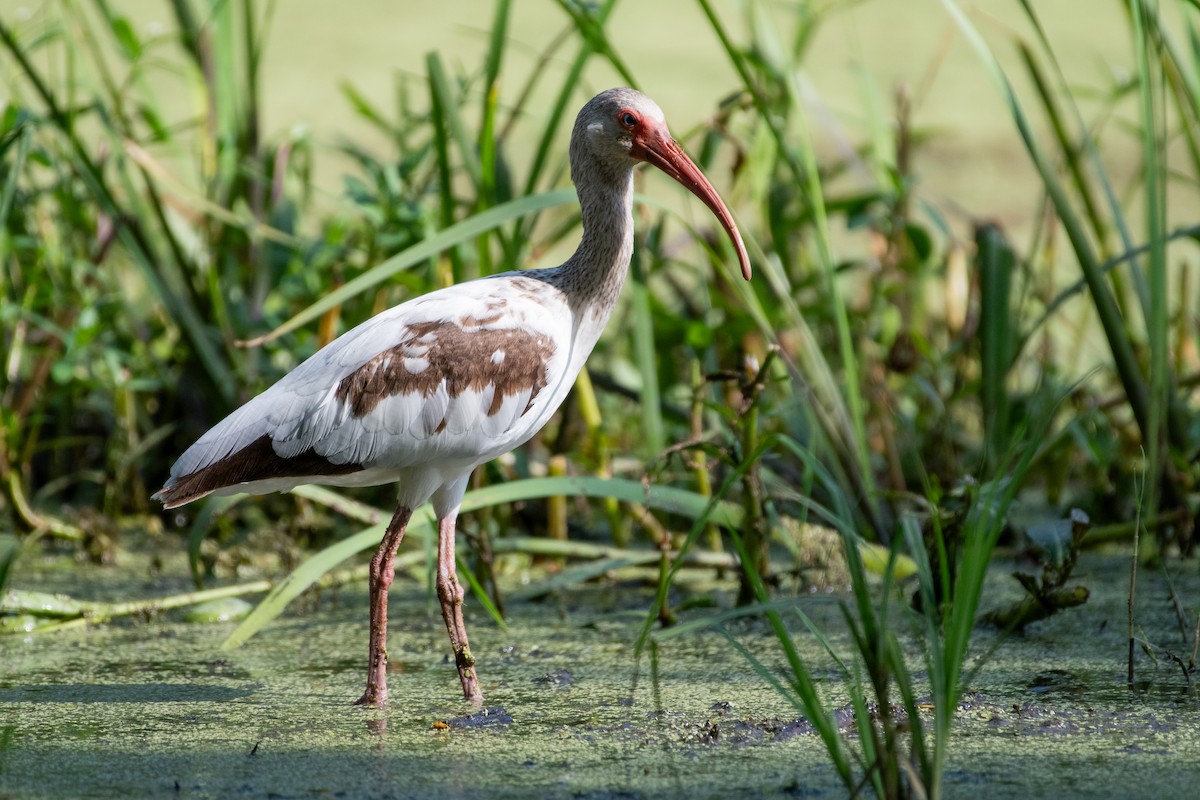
(422, 394)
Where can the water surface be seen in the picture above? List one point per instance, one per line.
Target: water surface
(154, 708)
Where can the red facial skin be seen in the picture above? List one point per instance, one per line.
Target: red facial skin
(653, 144)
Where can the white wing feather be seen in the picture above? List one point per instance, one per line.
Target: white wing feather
(302, 411)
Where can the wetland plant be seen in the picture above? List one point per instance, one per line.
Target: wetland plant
(154, 261)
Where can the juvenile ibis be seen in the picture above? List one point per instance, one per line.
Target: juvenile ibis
(422, 394)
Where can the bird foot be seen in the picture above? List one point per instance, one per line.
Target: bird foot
(470, 681)
(471, 691)
(372, 699)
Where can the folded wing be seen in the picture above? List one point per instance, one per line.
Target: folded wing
(450, 377)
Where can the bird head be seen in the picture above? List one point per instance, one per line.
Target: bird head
(620, 127)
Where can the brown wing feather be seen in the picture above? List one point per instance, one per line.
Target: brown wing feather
(452, 355)
(255, 462)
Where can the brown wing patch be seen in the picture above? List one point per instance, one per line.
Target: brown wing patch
(511, 360)
(255, 462)
(535, 290)
(492, 316)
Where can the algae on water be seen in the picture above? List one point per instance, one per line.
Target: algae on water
(152, 709)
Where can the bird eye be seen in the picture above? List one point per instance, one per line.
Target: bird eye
(628, 119)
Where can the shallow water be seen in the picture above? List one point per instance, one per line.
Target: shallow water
(156, 709)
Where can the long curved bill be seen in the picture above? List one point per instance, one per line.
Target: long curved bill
(660, 150)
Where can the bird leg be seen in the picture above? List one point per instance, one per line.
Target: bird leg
(450, 594)
(381, 575)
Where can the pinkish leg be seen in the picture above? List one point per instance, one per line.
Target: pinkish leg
(382, 573)
(450, 594)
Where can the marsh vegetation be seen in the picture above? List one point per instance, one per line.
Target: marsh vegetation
(957, 340)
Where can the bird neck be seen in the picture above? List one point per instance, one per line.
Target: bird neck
(592, 278)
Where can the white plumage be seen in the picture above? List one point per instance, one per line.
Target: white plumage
(424, 392)
(303, 411)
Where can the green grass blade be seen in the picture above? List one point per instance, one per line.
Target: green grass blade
(190, 31)
(591, 30)
(224, 96)
(201, 525)
(23, 136)
(486, 143)
(10, 548)
(851, 385)
(668, 499)
(558, 110)
(1086, 146)
(343, 505)
(663, 498)
(768, 675)
(842, 414)
(645, 354)
(162, 275)
(802, 679)
(308, 573)
(720, 618)
(1107, 309)
(450, 109)
(583, 573)
(1152, 107)
(439, 99)
(702, 522)
(1072, 152)
(995, 262)
(480, 593)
